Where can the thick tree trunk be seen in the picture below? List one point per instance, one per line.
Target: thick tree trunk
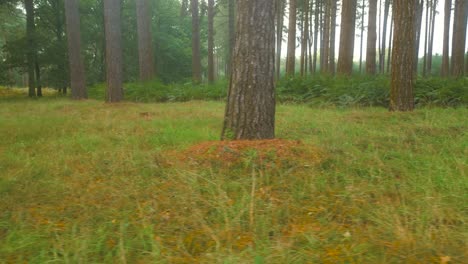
(371, 38)
(459, 38)
(402, 79)
(250, 110)
(348, 18)
(31, 49)
(196, 57)
(211, 68)
(77, 72)
(112, 23)
(445, 68)
(291, 57)
(145, 43)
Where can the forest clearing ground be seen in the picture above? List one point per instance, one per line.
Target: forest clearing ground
(92, 182)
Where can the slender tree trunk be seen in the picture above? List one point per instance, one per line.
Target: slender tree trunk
(112, 23)
(459, 38)
(322, 33)
(291, 57)
(316, 30)
(384, 37)
(426, 39)
(348, 18)
(390, 40)
(31, 51)
(305, 38)
(145, 43)
(331, 63)
(211, 69)
(431, 40)
(402, 79)
(371, 38)
(445, 68)
(196, 57)
(250, 110)
(363, 6)
(418, 23)
(279, 36)
(326, 38)
(232, 32)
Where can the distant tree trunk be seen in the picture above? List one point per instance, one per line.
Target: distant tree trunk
(196, 57)
(61, 64)
(426, 39)
(291, 57)
(431, 39)
(445, 68)
(112, 23)
(348, 18)
(311, 37)
(459, 38)
(389, 56)
(384, 38)
(326, 38)
(250, 110)
(418, 23)
(279, 35)
(305, 38)
(211, 69)
(371, 38)
(232, 32)
(38, 77)
(145, 43)
(316, 30)
(31, 51)
(77, 72)
(331, 63)
(402, 79)
(363, 6)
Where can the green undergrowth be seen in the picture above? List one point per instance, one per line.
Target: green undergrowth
(89, 182)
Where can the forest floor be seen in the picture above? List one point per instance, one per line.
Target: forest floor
(89, 182)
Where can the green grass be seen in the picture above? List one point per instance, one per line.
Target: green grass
(89, 182)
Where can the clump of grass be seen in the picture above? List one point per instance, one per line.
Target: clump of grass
(88, 182)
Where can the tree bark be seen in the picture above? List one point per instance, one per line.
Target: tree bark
(31, 49)
(291, 57)
(418, 23)
(348, 18)
(459, 38)
(196, 57)
(316, 31)
(250, 110)
(426, 39)
(389, 55)
(211, 68)
(112, 23)
(325, 56)
(402, 76)
(145, 43)
(371, 39)
(362, 15)
(445, 68)
(77, 72)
